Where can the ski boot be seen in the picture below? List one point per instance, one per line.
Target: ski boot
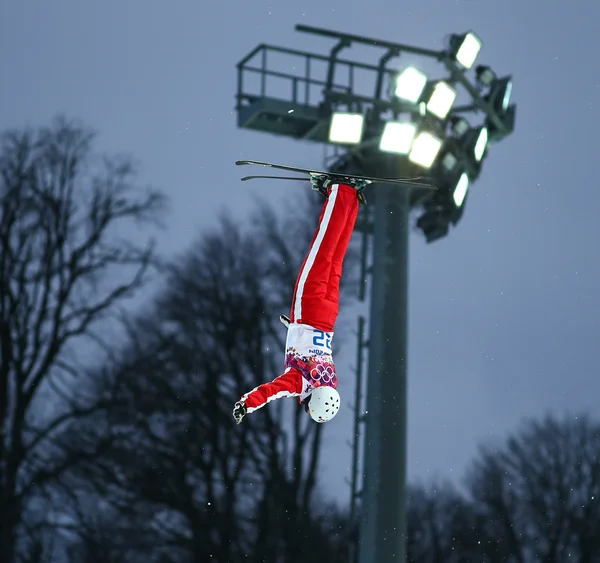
(359, 185)
(321, 184)
(239, 411)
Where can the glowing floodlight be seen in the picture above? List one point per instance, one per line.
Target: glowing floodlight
(441, 100)
(507, 94)
(503, 91)
(466, 49)
(346, 128)
(397, 137)
(500, 93)
(480, 144)
(410, 84)
(425, 149)
(460, 191)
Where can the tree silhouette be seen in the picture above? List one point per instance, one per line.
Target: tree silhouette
(65, 266)
(198, 486)
(538, 493)
(442, 526)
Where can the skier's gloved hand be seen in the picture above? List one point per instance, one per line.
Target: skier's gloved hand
(285, 320)
(239, 411)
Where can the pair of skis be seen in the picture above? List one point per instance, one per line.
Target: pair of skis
(415, 182)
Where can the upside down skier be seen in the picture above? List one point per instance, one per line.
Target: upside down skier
(309, 372)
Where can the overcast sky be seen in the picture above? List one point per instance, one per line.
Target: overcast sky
(503, 312)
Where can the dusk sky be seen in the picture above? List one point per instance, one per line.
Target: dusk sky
(503, 312)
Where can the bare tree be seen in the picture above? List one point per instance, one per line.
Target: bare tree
(67, 218)
(442, 526)
(538, 493)
(207, 487)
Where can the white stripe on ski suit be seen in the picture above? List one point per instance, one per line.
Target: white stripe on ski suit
(280, 395)
(313, 251)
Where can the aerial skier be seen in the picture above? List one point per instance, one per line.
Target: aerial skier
(309, 372)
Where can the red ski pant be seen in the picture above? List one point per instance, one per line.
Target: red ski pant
(317, 291)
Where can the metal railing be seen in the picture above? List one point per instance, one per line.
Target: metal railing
(304, 82)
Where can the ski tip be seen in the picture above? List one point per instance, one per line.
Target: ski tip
(296, 178)
(418, 182)
(255, 162)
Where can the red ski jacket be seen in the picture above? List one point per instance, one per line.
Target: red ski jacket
(308, 364)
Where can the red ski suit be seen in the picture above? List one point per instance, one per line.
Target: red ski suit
(315, 305)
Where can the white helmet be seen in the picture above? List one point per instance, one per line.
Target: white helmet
(324, 404)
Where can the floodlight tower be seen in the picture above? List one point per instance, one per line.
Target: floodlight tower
(410, 125)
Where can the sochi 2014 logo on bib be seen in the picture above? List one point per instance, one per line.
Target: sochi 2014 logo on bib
(323, 374)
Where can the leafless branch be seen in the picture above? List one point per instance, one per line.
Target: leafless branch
(67, 260)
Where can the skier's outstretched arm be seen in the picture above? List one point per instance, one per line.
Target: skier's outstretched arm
(288, 384)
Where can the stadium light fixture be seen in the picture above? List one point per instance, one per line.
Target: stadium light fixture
(508, 120)
(459, 126)
(433, 226)
(346, 128)
(500, 94)
(507, 95)
(485, 75)
(460, 191)
(465, 49)
(397, 137)
(441, 100)
(449, 161)
(480, 144)
(425, 149)
(410, 84)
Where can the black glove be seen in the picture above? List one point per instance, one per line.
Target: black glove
(239, 411)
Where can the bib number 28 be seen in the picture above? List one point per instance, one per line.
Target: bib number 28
(322, 338)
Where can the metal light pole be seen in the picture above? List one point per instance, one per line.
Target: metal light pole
(456, 163)
(382, 520)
